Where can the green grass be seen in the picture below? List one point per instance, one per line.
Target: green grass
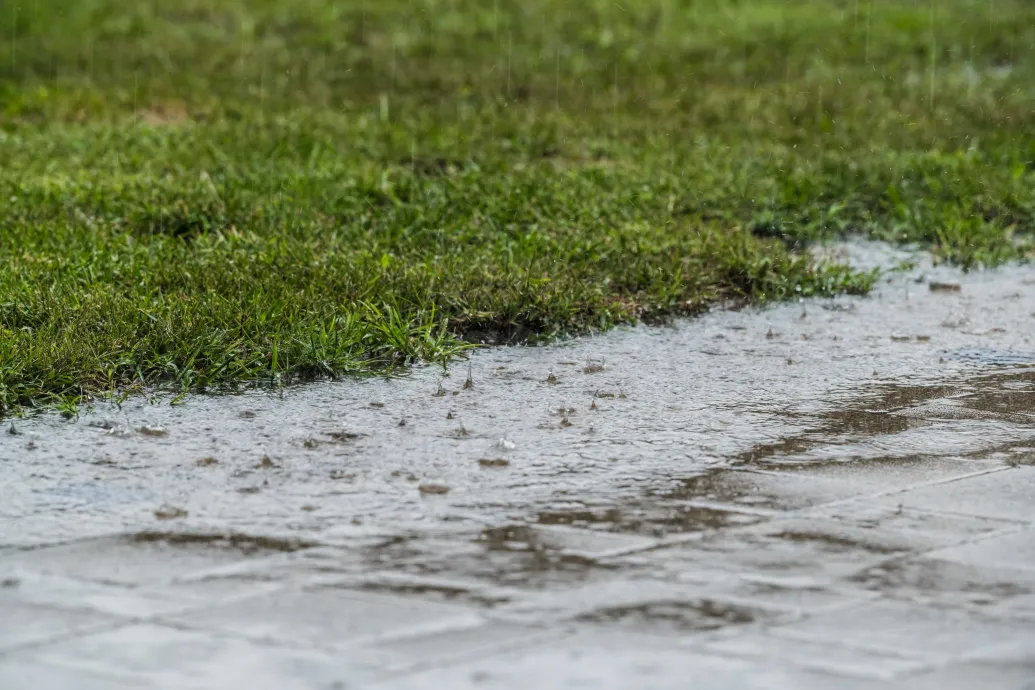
(205, 193)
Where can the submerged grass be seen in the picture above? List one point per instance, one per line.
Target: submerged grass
(208, 192)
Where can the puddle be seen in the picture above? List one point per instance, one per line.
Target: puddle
(890, 421)
(657, 518)
(993, 357)
(243, 543)
(479, 568)
(678, 616)
(558, 459)
(435, 592)
(147, 557)
(930, 580)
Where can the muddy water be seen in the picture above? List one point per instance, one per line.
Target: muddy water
(588, 432)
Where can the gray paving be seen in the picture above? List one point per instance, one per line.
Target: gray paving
(821, 530)
(925, 583)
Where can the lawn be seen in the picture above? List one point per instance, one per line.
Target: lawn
(202, 194)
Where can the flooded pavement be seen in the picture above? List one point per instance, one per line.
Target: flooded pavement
(826, 494)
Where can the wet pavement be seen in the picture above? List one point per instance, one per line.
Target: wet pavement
(826, 494)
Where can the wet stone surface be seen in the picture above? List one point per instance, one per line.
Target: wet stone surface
(829, 494)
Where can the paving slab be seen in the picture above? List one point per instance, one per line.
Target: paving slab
(25, 625)
(585, 661)
(1008, 666)
(925, 530)
(826, 656)
(1010, 549)
(793, 497)
(938, 634)
(767, 493)
(799, 553)
(1021, 607)
(997, 676)
(31, 673)
(890, 475)
(436, 648)
(129, 601)
(330, 616)
(1005, 497)
(146, 556)
(164, 657)
(932, 581)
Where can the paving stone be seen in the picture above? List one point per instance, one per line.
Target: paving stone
(887, 627)
(887, 475)
(519, 556)
(922, 529)
(647, 663)
(1013, 549)
(1020, 607)
(344, 568)
(39, 528)
(788, 597)
(588, 543)
(836, 535)
(653, 516)
(144, 558)
(827, 657)
(773, 591)
(933, 581)
(23, 624)
(676, 614)
(1011, 667)
(970, 677)
(16, 674)
(1006, 495)
(331, 616)
(169, 658)
(650, 605)
(764, 491)
(127, 601)
(446, 589)
(1018, 651)
(797, 558)
(964, 433)
(451, 646)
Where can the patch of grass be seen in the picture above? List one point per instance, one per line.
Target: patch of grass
(204, 193)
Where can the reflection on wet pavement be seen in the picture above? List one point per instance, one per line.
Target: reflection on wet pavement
(678, 615)
(927, 580)
(654, 517)
(751, 492)
(517, 555)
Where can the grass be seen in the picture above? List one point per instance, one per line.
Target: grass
(205, 193)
